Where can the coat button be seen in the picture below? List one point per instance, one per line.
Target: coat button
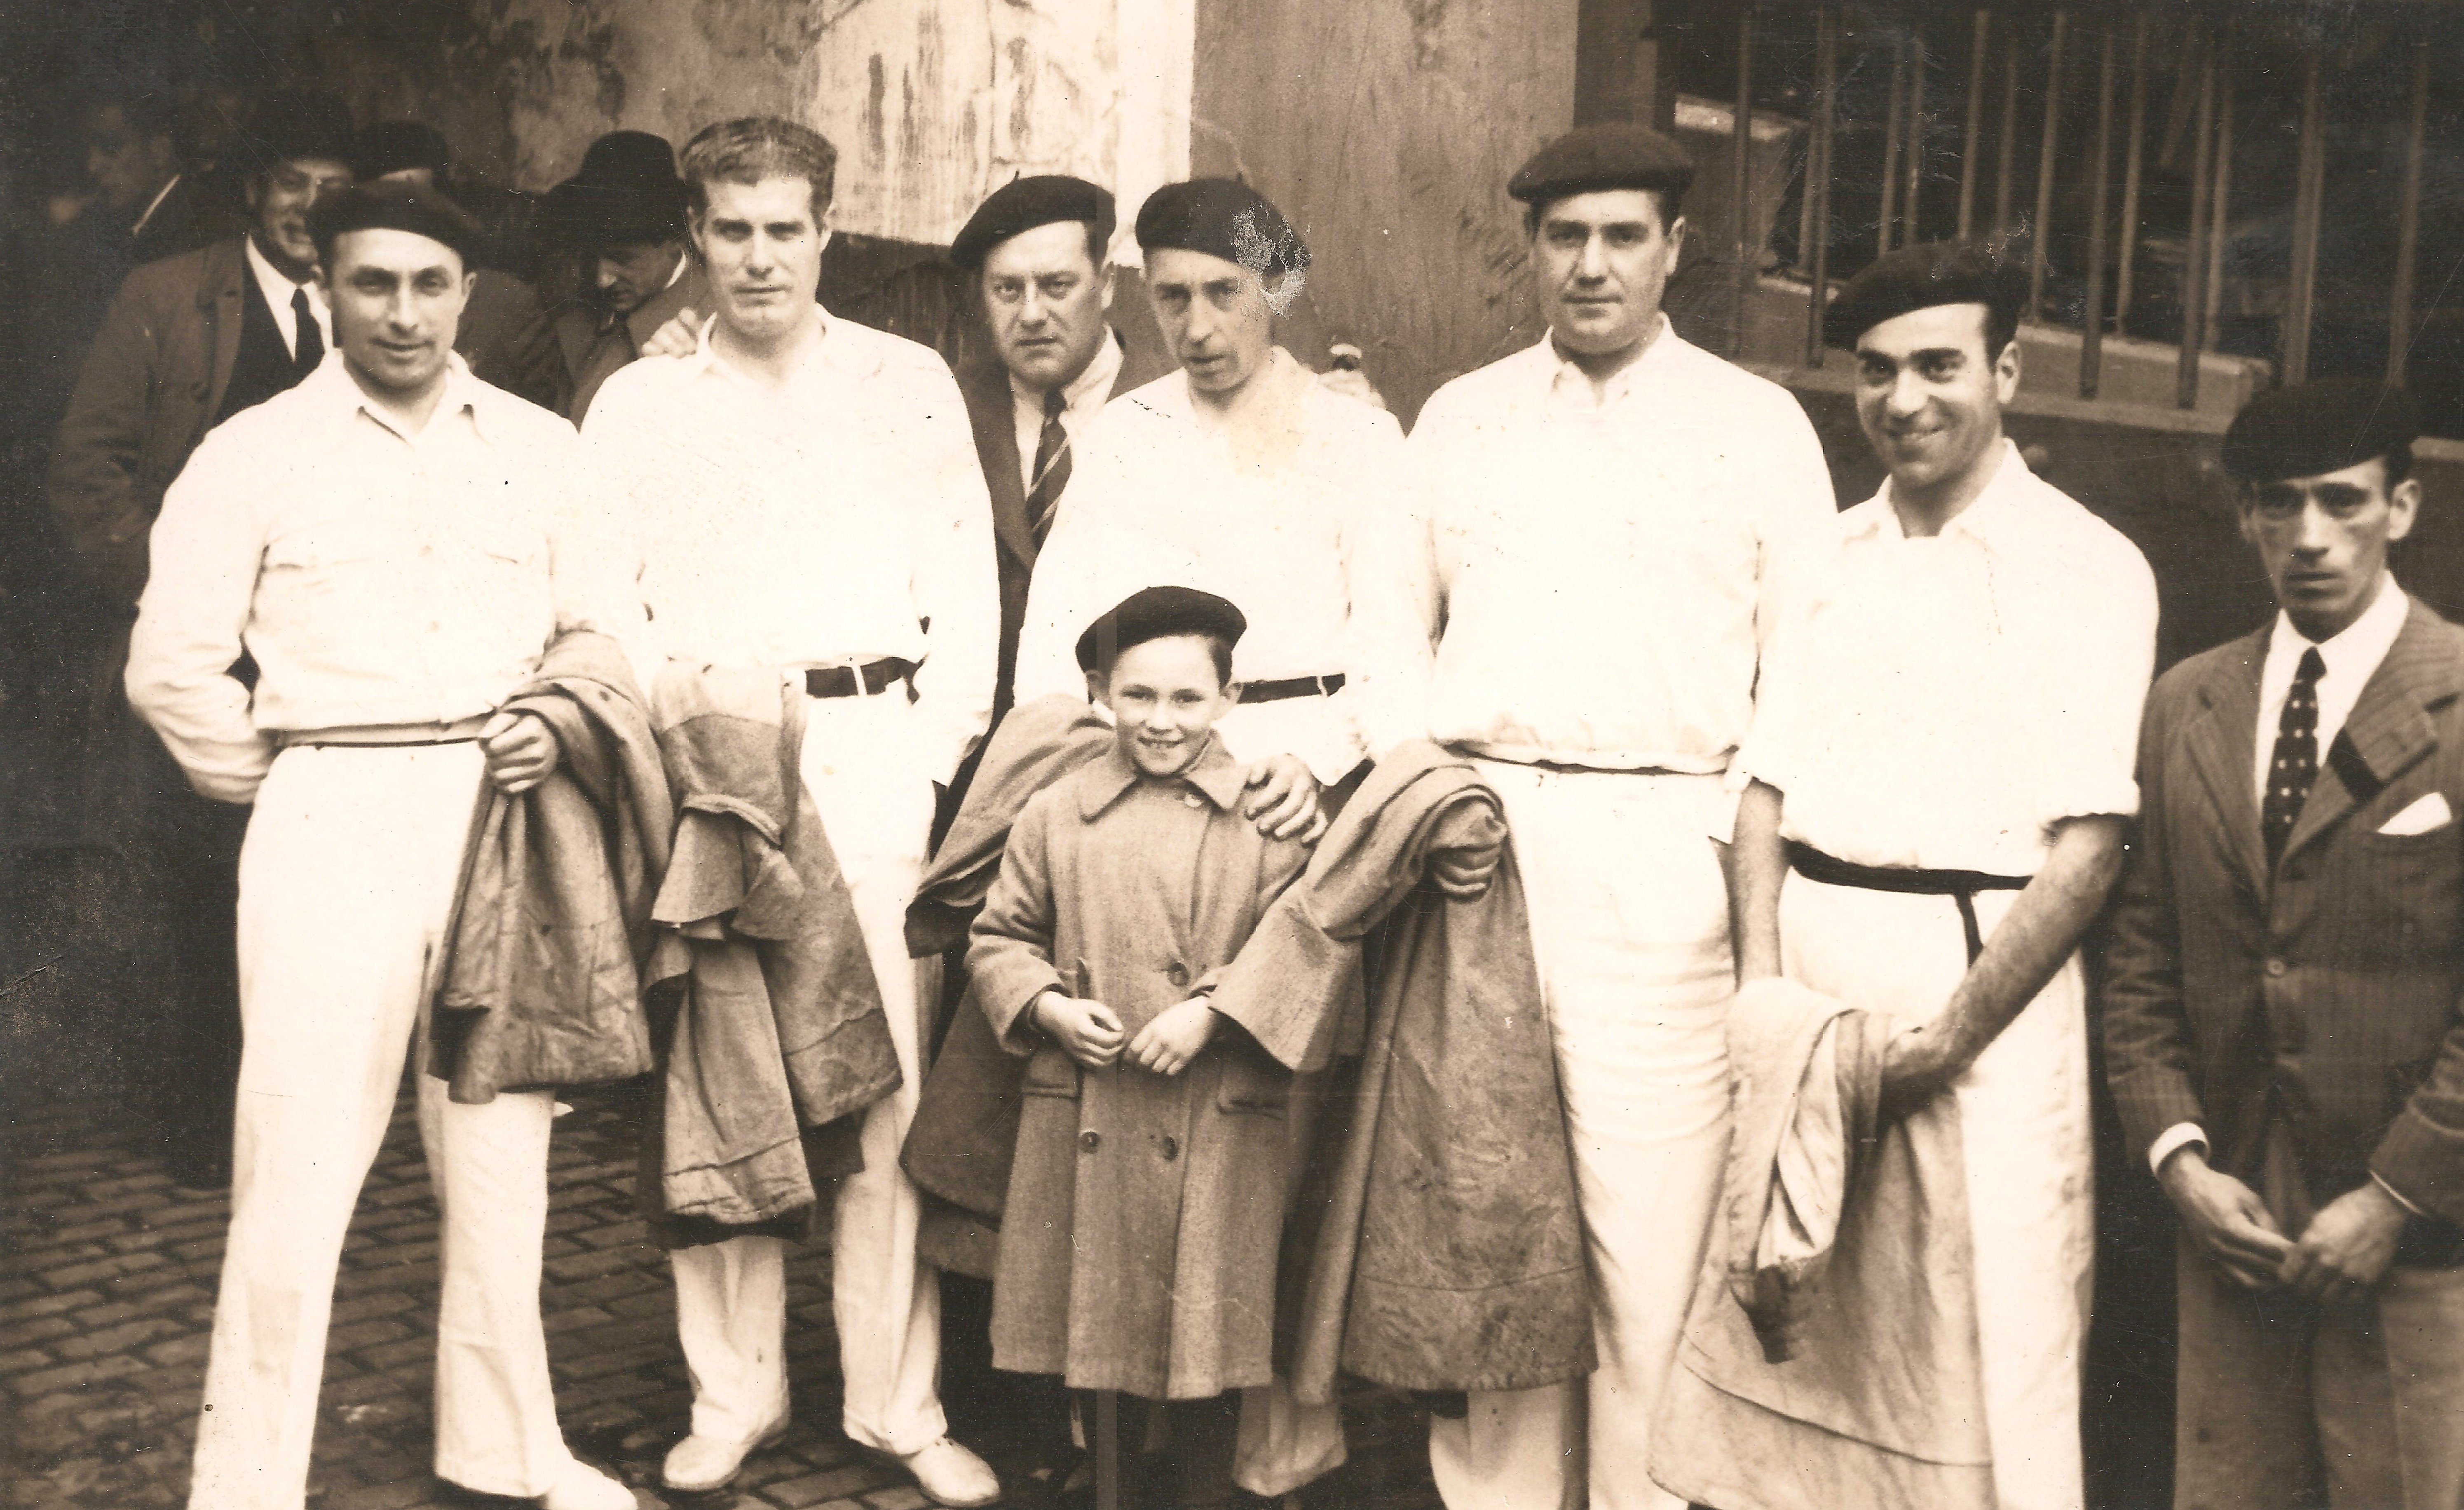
(2275, 967)
(1178, 974)
(1091, 1139)
(1170, 1148)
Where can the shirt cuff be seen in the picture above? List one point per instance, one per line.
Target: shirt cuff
(2397, 1196)
(2176, 1138)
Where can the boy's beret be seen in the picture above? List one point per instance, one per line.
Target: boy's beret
(1022, 204)
(1222, 217)
(1157, 613)
(2318, 426)
(1611, 154)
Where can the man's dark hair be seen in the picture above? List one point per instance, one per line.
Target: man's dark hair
(751, 148)
(1669, 202)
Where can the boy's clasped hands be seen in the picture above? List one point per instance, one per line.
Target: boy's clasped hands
(1089, 1032)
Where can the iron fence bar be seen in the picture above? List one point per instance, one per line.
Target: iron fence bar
(1910, 232)
(2092, 327)
(2048, 154)
(2006, 148)
(2195, 261)
(2134, 160)
(2220, 197)
(2310, 184)
(1975, 136)
(1826, 84)
(1889, 208)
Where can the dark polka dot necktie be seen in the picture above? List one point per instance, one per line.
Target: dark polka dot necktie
(1051, 466)
(2295, 765)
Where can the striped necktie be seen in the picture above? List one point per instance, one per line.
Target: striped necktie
(2296, 762)
(1051, 466)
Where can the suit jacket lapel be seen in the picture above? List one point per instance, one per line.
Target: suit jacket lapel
(2390, 726)
(2223, 746)
(993, 412)
(224, 295)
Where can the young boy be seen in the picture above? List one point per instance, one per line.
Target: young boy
(1148, 1189)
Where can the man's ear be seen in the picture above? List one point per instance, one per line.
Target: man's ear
(2007, 368)
(2404, 508)
(1232, 693)
(1099, 689)
(1107, 277)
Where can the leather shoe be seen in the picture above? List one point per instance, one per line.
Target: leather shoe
(950, 1475)
(582, 1487)
(699, 1464)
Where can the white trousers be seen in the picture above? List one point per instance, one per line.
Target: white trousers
(2024, 1132)
(868, 778)
(346, 881)
(1630, 926)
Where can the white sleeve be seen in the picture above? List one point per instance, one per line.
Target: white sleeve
(205, 547)
(955, 582)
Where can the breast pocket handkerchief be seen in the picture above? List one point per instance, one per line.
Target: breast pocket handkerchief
(2428, 812)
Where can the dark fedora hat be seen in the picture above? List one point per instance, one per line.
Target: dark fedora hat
(626, 191)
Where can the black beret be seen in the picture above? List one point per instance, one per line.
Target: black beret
(1920, 276)
(1612, 154)
(384, 206)
(1022, 204)
(1154, 614)
(2318, 426)
(626, 191)
(1222, 217)
(291, 124)
(389, 146)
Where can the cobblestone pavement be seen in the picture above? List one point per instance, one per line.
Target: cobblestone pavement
(107, 1293)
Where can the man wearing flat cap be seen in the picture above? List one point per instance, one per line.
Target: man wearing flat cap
(1610, 510)
(392, 542)
(2282, 1028)
(624, 214)
(1243, 474)
(188, 342)
(1941, 764)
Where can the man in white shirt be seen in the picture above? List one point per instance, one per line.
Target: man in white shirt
(391, 540)
(802, 494)
(1244, 475)
(2282, 1033)
(1611, 511)
(1941, 783)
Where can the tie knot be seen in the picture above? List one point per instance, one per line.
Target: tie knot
(2313, 667)
(1055, 403)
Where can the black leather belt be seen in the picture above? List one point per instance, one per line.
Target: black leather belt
(872, 678)
(1292, 687)
(1961, 886)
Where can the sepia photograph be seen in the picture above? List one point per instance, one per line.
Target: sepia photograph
(1232, 755)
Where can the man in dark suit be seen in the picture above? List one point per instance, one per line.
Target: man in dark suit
(188, 342)
(624, 216)
(2282, 1014)
(1035, 249)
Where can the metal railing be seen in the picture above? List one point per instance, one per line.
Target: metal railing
(2056, 60)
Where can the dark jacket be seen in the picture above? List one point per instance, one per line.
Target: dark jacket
(1442, 1249)
(965, 1132)
(2331, 993)
(992, 409)
(152, 382)
(778, 1025)
(1830, 1355)
(591, 354)
(191, 215)
(541, 985)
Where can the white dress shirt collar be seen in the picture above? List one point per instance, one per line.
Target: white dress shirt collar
(1089, 389)
(1994, 518)
(338, 393)
(2351, 658)
(845, 359)
(277, 290)
(1569, 385)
